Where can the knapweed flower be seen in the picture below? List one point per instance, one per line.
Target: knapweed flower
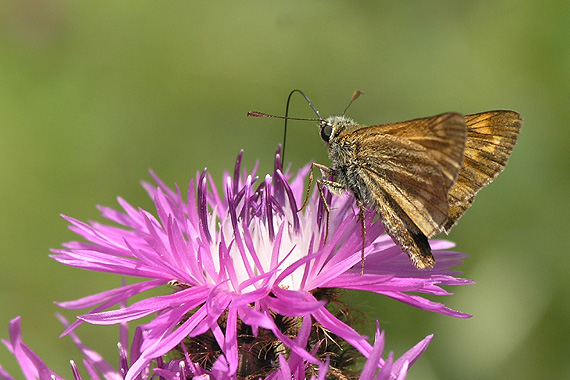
(96, 367)
(246, 266)
(295, 368)
(33, 367)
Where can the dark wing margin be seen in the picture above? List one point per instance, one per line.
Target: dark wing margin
(404, 232)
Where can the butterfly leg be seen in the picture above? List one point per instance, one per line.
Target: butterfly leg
(321, 182)
(324, 169)
(361, 217)
(329, 185)
(334, 187)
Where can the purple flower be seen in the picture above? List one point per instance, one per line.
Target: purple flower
(246, 259)
(33, 367)
(295, 367)
(30, 363)
(97, 367)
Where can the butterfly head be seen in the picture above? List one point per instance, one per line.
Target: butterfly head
(333, 126)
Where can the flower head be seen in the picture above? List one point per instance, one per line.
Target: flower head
(245, 259)
(33, 367)
(294, 368)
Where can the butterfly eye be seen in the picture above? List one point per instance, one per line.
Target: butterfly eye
(326, 132)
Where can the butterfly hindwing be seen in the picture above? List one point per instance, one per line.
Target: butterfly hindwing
(491, 137)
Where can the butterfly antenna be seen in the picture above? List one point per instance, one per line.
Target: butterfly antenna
(286, 117)
(355, 96)
(287, 113)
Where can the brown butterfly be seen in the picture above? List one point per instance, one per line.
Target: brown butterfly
(419, 175)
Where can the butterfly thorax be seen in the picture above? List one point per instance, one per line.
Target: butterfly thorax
(337, 134)
(335, 131)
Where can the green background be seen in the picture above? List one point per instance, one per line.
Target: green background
(93, 94)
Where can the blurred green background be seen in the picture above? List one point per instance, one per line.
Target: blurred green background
(93, 94)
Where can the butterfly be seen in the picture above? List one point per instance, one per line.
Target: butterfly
(420, 175)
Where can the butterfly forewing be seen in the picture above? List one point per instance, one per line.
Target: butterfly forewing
(443, 136)
(491, 137)
(405, 171)
(404, 231)
(407, 174)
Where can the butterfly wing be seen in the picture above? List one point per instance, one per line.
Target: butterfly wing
(491, 137)
(416, 163)
(405, 171)
(406, 187)
(403, 230)
(443, 136)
